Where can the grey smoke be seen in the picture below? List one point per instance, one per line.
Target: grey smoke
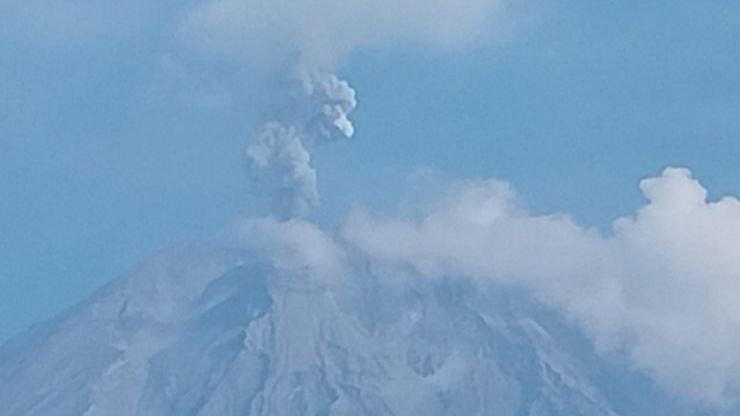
(311, 38)
(278, 154)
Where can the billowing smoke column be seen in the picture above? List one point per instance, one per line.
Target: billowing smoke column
(288, 36)
(278, 155)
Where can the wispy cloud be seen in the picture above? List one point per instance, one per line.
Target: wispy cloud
(318, 33)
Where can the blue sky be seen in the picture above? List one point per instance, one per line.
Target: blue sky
(115, 142)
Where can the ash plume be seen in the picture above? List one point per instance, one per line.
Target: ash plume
(278, 154)
(312, 38)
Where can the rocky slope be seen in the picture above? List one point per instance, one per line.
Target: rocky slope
(208, 331)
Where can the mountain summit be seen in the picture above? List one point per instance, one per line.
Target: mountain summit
(211, 331)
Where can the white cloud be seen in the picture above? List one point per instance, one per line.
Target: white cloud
(663, 286)
(292, 245)
(317, 33)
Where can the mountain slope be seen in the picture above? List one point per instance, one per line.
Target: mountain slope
(209, 331)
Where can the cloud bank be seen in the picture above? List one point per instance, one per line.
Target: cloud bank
(662, 287)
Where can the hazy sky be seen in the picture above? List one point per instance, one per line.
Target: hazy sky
(118, 138)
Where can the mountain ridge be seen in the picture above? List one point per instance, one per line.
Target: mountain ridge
(204, 330)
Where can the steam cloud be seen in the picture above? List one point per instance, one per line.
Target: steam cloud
(663, 286)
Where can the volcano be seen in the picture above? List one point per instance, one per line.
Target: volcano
(202, 330)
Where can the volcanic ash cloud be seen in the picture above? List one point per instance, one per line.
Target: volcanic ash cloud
(278, 154)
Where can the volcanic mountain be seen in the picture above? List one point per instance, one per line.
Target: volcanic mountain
(203, 330)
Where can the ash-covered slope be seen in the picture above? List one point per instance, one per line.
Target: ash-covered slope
(216, 332)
